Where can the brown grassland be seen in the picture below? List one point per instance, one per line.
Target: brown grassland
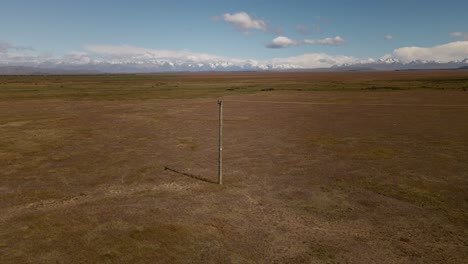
(352, 167)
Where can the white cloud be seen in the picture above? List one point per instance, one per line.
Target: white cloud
(284, 42)
(463, 35)
(388, 37)
(453, 51)
(336, 41)
(386, 57)
(243, 22)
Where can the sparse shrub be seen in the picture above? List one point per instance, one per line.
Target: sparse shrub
(267, 89)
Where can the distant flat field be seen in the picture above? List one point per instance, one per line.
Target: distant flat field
(351, 167)
(208, 85)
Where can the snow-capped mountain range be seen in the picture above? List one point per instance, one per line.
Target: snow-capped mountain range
(391, 63)
(86, 65)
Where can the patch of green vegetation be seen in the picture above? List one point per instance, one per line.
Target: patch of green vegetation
(267, 89)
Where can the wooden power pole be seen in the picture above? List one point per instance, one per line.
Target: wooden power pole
(220, 157)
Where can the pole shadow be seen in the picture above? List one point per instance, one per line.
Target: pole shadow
(190, 175)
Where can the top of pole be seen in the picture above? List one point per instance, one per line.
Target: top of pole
(220, 101)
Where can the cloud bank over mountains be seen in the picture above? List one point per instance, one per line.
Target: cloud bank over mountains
(453, 51)
(144, 58)
(124, 58)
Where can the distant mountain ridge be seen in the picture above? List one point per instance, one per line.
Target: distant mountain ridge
(162, 65)
(26, 70)
(391, 64)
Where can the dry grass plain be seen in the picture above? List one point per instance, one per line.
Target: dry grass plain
(369, 168)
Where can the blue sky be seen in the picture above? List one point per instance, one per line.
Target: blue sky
(56, 28)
